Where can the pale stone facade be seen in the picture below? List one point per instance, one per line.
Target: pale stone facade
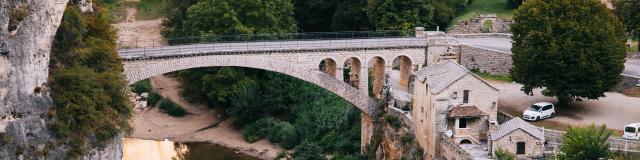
(533, 146)
(433, 102)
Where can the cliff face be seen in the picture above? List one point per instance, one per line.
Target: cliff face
(27, 29)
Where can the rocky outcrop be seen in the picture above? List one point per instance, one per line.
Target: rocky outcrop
(27, 29)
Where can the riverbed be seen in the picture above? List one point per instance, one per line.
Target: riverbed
(140, 149)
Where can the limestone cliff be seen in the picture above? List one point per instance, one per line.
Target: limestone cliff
(27, 29)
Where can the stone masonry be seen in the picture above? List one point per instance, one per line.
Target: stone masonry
(475, 25)
(302, 65)
(485, 60)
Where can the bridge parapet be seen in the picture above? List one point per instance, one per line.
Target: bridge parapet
(274, 46)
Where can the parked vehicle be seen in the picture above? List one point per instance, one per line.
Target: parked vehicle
(539, 111)
(631, 131)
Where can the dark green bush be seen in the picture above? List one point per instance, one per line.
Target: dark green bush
(171, 108)
(308, 151)
(504, 155)
(142, 86)
(153, 99)
(393, 120)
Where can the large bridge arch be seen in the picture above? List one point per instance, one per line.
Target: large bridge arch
(137, 70)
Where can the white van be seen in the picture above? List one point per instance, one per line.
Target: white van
(631, 131)
(539, 111)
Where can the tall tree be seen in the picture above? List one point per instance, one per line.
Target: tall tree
(219, 17)
(314, 16)
(571, 49)
(400, 14)
(629, 13)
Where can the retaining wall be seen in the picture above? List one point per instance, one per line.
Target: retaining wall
(485, 60)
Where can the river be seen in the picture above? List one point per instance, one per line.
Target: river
(139, 149)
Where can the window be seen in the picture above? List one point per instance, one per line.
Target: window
(465, 96)
(462, 123)
(630, 129)
(520, 147)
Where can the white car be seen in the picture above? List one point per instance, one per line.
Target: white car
(539, 111)
(631, 131)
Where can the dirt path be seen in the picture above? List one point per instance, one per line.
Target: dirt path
(615, 110)
(155, 125)
(134, 33)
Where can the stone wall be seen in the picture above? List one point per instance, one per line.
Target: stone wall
(534, 147)
(485, 60)
(554, 137)
(449, 150)
(483, 35)
(475, 25)
(626, 83)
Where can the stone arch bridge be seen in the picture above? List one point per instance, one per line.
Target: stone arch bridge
(320, 62)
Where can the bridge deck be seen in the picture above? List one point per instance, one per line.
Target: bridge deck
(299, 45)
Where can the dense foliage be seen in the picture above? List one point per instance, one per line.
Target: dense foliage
(514, 3)
(585, 143)
(90, 106)
(281, 108)
(504, 155)
(171, 108)
(629, 13)
(571, 49)
(208, 17)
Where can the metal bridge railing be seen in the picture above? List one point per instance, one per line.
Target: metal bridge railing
(152, 43)
(249, 46)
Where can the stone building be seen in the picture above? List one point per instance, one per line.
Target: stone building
(450, 99)
(518, 137)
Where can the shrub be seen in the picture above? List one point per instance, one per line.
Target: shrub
(504, 155)
(586, 143)
(487, 26)
(153, 99)
(172, 108)
(308, 151)
(5, 139)
(392, 120)
(281, 154)
(142, 86)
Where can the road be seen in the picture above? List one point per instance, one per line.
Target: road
(632, 66)
(271, 45)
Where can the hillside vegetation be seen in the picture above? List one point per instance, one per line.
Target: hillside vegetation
(479, 7)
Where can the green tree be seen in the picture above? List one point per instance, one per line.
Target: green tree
(400, 14)
(514, 3)
(220, 17)
(585, 143)
(175, 12)
(308, 151)
(571, 49)
(629, 13)
(314, 16)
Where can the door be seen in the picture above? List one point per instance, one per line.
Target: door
(546, 111)
(520, 146)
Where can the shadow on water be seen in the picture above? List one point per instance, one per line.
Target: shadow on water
(139, 149)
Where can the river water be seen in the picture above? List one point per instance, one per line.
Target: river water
(139, 149)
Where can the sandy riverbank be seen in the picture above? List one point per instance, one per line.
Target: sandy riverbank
(151, 124)
(155, 125)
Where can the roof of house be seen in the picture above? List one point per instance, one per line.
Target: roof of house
(515, 124)
(466, 111)
(441, 76)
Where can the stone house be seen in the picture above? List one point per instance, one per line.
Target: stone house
(450, 100)
(518, 137)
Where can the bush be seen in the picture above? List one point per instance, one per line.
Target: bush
(172, 108)
(142, 86)
(392, 120)
(153, 99)
(487, 26)
(504, 155)
(281, 132)
(586, 143)
(308, 151)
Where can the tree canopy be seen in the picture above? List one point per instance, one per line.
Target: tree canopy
(629, 13)
(220, 17)
(571, 49)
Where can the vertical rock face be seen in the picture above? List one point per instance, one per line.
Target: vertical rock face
(27, 29)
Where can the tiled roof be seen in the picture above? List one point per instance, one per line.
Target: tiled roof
(466, 111)
(515, 124)
(441, 76)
